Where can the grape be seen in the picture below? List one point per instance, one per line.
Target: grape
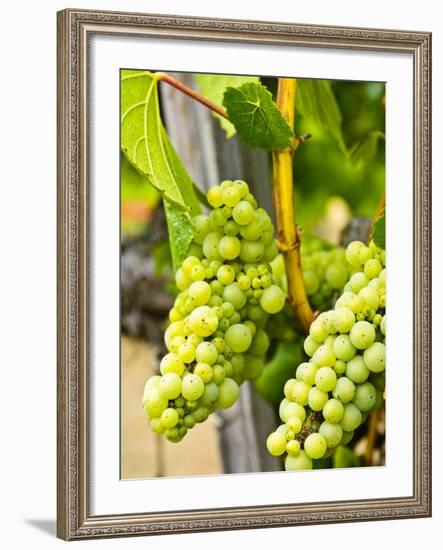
(289, 408)
(273, 299)
(362, 334)
(374, 357)
(358, 281)
(351, 418)
(344, 390)
(343, 348)
(192, 387)
(233, 294)
(306, 373)
(170, 386)
(238, 338)
(310, 346)
(352, 253)
(260, 340)
(276, 444)
(251, 251)
(243, 213)
(325, 379)
(324, 356)
(228, 395)
(370, 297)
(344, 319)
(201, 228)
(365, 397)
(231, 196)
(172, 363)
(332, 433)
(317, 331)
(373, 268)
(300, 392)
(210, 394)
(293, 447)
(300, 462)
(206, 352)
(288, 387)
(340, 367)
(204, 371)
(189, 421)
(215, 196)
(317, 399)
(315, 445)
(169, 418)
(201, 414)
(199, 292)
(210, 246)
(155, 403)
(294, 424)
(226, 274)
(203, 321)
(333, 411)
(229, 247)
(356, 370)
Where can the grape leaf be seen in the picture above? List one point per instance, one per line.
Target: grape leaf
(316, 102)
(277, 371)
(364, 151)
(213, 86)
(256, 117)
(379, 230)
(146, 145)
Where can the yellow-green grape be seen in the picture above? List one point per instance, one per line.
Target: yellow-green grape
(276, 443)
(203, 321)
(374, 357)
(325, 379)
(344, 390)
(228, 393)
(351, 418)
(273, 299)
(315, 445)
(299, 462)
(169, 418)
(192, 387)
(172, 363)
(365, 397)
(238, 337)
(170, 386)
(333, 433)
(293, 447)
(333, 411)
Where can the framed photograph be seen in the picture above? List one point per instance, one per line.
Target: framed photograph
(240, 203)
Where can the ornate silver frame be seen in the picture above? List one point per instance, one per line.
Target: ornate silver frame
(75, 28)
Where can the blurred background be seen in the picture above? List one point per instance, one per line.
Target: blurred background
(337, 194)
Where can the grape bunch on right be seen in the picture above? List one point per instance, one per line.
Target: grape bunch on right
(344, 379)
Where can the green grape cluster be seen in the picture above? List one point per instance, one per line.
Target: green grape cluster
(325, 270)
(344, 379)
(216, 338)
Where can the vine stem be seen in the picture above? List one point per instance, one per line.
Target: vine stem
(372, 435)
(191, 93)
(288, 233)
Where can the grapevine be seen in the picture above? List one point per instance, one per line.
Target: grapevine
(217, 335)
(332, 394)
